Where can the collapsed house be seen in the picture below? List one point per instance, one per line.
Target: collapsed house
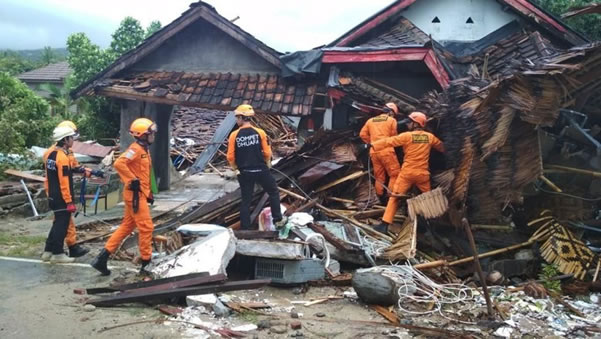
(512, 92)
(493, 77)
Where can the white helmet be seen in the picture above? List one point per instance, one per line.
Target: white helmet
(62, 132)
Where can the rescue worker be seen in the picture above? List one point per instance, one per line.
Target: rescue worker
(384, 162)
(59, 188)
(249, 154)
(416, 144)
(133, 167)
(75, 250)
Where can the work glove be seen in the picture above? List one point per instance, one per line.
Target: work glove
(237, 173)
(97, 173)
(150, 199)
(268, 164)
(368, 146)
(134, 185)
(71, 208)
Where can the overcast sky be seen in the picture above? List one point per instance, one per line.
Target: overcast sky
(283, 25)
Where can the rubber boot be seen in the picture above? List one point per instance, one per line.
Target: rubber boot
(100, 262)
(143, 270)
(77, 251)
(382, 228)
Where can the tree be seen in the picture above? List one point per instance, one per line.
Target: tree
(24, 118)
(47, 55)
(589, 24)
(85, 58)
(129, 35)
(14, 64)
(152, 28)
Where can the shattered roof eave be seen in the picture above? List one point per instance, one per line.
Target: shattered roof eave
(197, 10)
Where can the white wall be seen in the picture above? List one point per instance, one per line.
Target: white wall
(487, 15)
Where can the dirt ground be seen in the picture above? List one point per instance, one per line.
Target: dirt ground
(38, 299)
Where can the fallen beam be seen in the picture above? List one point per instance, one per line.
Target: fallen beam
(332, 239)
(24, 175)
(180, 292)
(144, 284)
(179, 284)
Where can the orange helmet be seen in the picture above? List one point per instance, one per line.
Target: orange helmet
(244, 110)
(419, 118)
(71, 125)
(393, 107)
(142, 126)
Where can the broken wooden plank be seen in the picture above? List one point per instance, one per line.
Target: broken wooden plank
(387, 314)
(178, 284)
(352, 176)
(246, 234)
(180, 292)
(332, 239)
(24, 175)
(143, 284)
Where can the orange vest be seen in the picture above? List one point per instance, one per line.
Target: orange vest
(134, 163)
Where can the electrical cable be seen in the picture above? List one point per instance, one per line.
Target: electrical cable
(538, 186)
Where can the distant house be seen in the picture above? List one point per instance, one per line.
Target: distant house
(54, 74)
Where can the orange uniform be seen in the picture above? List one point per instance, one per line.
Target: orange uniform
(385, 161)
(134, 163)
(416, 146)
(71, 237)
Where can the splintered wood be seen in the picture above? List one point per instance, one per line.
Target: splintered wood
(430, 205)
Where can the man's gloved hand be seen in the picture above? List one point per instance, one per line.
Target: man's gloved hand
(368, 146)
(134, 185)
(71, 208)
(150, 199)
(237, 172)
(268, 164)
(97, 173)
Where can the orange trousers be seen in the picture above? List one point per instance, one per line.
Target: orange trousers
(385, 163)
(403, 184)
(71, 237)
(140, 220)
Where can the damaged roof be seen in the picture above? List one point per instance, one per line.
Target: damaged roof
(266, 93)
(525, 8)
(197, 10)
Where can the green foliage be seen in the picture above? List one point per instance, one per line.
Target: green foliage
(48, 56)
(129, 35)
(85, 58)
(24, 118)
(152, 28)
(589, 24)
(13, 63)
(548, 272)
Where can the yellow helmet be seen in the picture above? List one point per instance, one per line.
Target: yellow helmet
(245, 110)
(142, 126)
(71, 125)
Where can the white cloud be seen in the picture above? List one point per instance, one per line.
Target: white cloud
(283, 25)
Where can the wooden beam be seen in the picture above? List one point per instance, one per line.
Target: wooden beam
(24, 175)
(179, 292)
(332, 239)
(438, 71)
(144, 284)
(351, 176)
(401, 54)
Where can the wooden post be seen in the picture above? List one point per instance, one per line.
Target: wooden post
(550, 184)
(470, 236)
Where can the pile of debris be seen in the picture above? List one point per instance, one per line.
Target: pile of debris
(194, 130)
(14, 200)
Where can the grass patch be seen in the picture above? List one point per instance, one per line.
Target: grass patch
(249, 316)
(20, 245)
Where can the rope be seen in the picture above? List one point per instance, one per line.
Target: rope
(426, 291)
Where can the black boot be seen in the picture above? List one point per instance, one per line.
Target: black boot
(383, 199)
(143, 270)
(382, 228)
(100, 261)
(77, 251)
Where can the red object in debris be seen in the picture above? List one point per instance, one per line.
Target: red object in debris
(79, 291)
(296, 325)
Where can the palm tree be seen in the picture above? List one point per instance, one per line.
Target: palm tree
(60, 101)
